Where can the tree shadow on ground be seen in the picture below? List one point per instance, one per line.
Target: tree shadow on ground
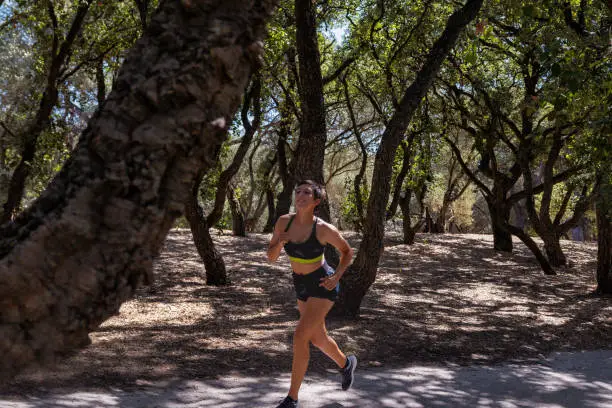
(558, 382)
(447, 299)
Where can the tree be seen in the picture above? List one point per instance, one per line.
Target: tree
(89, 62)
(359, 181)
(519, 136)
(82, 248)
(200, 224)
(60, 54)
(455, 187)
(363, 271)
(417, 159)
(604, 237)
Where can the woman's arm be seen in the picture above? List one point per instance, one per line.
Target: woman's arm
(331, 235)
(279, 238)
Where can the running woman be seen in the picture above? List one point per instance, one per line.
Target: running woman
(304, 236)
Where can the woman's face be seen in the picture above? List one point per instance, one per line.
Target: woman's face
(304, 197)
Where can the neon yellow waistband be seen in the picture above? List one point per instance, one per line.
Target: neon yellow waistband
(306, 261)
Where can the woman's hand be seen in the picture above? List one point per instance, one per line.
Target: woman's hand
(330, 282)
(279, 238)
(283, 238)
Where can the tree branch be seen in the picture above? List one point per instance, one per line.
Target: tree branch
(347, 63)
(564, 175)
(465, 168)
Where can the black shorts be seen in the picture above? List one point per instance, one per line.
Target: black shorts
(308, 285)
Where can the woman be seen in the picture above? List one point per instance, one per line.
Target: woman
(304, 237)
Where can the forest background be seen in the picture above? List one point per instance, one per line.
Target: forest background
(435, 116)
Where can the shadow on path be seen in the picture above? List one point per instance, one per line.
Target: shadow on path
(448, 299)
(563, 380)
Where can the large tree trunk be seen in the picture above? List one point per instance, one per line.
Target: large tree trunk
(310, 152)
(519, 216)
(214, 266)
(552, 246)
(356, 283)
(313, 133)
(283, 202)
(604, 240)
(89, 241)
(500, 216)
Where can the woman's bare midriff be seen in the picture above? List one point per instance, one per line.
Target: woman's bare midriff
(305, 269)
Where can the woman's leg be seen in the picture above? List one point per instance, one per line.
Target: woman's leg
(327, 345)
(323, 341)
(312, 314)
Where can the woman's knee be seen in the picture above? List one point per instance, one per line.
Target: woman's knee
(302, 336)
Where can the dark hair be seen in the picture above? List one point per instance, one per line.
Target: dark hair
(318, 191)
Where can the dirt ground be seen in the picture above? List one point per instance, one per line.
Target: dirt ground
(447, 299)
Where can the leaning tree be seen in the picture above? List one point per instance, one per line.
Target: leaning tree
(363, 271)
(85, 245)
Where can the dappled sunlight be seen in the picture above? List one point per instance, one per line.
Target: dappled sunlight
(176, 312)
(447, 299)
(561, 380)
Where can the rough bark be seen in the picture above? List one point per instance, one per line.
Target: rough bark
(356, 283)
(500, 217)
(552, 247)
(310, 152)
(82, 248)
(214, 266)
(60, 53)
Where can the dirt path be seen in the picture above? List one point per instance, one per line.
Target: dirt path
(448, 299)
(565, 380)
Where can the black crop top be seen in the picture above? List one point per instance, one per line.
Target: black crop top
(309, 251)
